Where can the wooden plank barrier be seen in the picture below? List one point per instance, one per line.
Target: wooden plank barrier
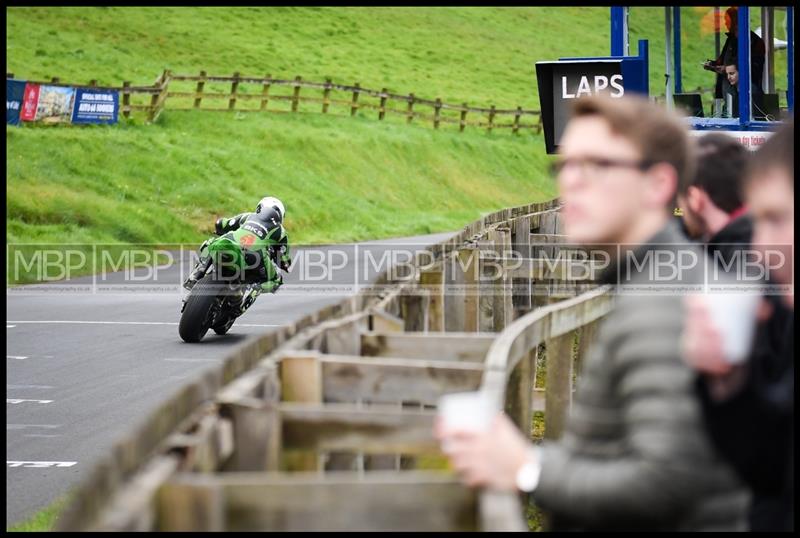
(326, 424)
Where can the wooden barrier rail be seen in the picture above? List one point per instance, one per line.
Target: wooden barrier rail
(354, 103)
(351, 389)
(160, 94)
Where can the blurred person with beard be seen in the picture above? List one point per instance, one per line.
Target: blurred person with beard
(749, 408)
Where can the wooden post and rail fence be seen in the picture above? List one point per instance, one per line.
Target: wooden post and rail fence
(258, 94)
(326, 423)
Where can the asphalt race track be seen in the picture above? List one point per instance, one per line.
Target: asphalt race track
(83, 367)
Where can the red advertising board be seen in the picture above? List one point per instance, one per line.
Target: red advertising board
(30, 102)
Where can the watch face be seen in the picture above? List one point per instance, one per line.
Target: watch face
(528, 476)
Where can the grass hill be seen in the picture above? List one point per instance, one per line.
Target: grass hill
(341, 178)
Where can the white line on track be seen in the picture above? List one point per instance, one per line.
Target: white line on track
(29, 387)
(41, 464)
(23, 426)
(22, 400)
(41, 435)
(10, 326)
(136, 323)
(18, 357)
(192, 360)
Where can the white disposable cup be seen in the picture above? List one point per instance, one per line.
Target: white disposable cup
(734, 316)
(467, 411)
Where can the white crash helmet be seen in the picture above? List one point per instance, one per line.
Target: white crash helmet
(271, 201)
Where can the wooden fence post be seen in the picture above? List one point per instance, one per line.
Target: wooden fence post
(469, 260)
(414, 310)
(234, 89)
(516, 120)
(436, 108)
(161, 97)
(463, 122)
(519, 392)
(488, 282)
(410, 109)
(199, 89)
(296, 94)
(151, 112)
(453, 302)
(558, 384)
(55, 80)
(184, 507)
(432, 280)
(382, 109)
(257, 435)
(161, 84)
(326, 94)
(588, 335)
(126, 99)
(354, 105)
(522, 248)
(93, 83)
(502, 311)
(301, 381)
(265, 91)
(491, 119)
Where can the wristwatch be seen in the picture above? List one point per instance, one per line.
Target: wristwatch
(528, 475)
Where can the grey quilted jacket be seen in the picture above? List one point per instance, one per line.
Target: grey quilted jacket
(634, 454)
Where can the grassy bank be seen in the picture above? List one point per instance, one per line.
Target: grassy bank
(42, 521)
(341, 178)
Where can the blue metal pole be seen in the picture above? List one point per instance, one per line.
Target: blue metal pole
(644, 54)
(790, 56)
(676, 44)
(617, 31)
(744, 65)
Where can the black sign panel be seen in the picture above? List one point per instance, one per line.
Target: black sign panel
(560, 83)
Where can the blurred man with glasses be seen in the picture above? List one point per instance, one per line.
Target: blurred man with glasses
(634, 454)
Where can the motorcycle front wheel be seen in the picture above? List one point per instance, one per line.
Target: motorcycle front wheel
(198, 314)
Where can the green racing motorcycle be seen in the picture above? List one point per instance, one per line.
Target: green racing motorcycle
(229, 287)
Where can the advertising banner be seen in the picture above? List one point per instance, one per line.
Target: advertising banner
(15, 91)
(752, 140)
(55, 104)
(30, 102)
(95, 106)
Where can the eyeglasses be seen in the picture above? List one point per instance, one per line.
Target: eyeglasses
(595, 166)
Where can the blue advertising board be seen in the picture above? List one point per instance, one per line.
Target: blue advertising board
(95, 106)
(15, 90)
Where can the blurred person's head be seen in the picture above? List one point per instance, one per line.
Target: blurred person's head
(714, 192)
(732, 72)
(732, 20)
(769, 193)
(621, 160)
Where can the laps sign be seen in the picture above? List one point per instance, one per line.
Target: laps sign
(562, 82)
